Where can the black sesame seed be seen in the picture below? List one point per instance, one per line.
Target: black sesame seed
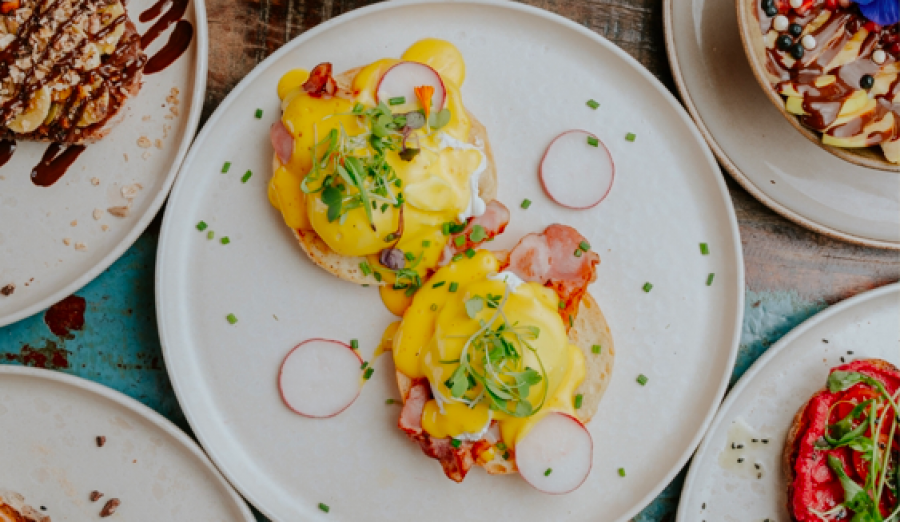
(755, 440)
(765, 441)
(740, 460)
(849, 352)
(771, 11)
(795, 30)
(703, 506)
(733, 446)
(43, 508)
(825, 341)
(797, 51)
(756, 466)
(867, 81)
(784, 42)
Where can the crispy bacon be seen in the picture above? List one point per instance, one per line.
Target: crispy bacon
(549, 258)
(493, 221)
(320, 81)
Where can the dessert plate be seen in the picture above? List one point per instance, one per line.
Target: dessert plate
(766, 399)
(54, 240)
(759, 148)
(50, 454)
(668, 197)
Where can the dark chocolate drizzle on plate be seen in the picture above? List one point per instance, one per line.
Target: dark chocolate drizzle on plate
(7, 148)
(56, 160)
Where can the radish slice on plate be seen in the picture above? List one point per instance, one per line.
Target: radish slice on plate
(399, 82)
(556, 455)
(577, 170)
(320, 378)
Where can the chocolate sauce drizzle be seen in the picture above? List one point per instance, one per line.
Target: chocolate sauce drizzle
(56, 160)
(179, 40)
(7, 148)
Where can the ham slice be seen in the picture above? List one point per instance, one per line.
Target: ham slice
(282, 141)
(493, 221)
(320, 81)
(549, 258)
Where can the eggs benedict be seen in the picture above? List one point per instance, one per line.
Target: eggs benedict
(496, 345)
(376, 170)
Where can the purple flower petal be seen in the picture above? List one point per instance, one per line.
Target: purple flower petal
(882, 12)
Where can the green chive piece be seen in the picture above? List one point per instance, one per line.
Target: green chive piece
(478, 234)
(366, 269)
(595, 348)
(457, 257)
(501, 446)
(561, 304)
(231, 318)
(506, 455)
(459, 241)
(526, 203)
(571, 321)
(433, 307)
(246, 176)
(621, 472)
(259, 113)
(630, 136)
(399, 100)
(454, 286)
(455, 443)
(225, 240)
(389, 401)
(409, 256)
(377, 276)
(647, 287)
(578, 253)
(642, 379)
(548, 472)
(439, 284)
(470, 253)
(578, 399)
(584, 245)
(710, 278)
(201, 226)
(354, 343)
(704, 249)
(226, 166)
(426, 243)
(445, 228)
(324, 507)
(368, 374)
(593, 104)
(363, 365)
(593, 142)
(210, 234)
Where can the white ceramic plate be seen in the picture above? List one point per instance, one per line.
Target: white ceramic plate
(768, 396)
(50, 455)
(529, 74)
(35, 221)
(760, 149)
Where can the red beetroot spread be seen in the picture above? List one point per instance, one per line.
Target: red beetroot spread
(816, 486)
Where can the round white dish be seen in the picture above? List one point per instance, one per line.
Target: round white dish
(761, 150)
(768, 396)
(42, 227)
(668, 197)
(50, 454)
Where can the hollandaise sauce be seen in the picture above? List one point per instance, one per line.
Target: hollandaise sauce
(383, 180)
(492, 347)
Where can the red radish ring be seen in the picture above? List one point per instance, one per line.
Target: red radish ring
(575, 173)
(399, 82)
(320, 378)
(556, 455)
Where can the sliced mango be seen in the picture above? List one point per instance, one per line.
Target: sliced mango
(794, 105)
(850, 51)
(825, 80)
(891, 150)
(818, 22)
(856, 104)
(862, 139)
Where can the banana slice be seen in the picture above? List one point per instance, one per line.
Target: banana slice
(95, 111)
(34, 114)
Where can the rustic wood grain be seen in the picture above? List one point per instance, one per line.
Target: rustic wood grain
(779, 255)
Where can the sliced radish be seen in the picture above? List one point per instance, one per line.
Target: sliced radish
(400, 80)
(282, 141)
(320, 378)
(576, 174)
(558, 443)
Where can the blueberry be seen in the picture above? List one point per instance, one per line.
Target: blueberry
(771, 11)
(867, 81)
(784, 42)
(795, 30)
(797, 51)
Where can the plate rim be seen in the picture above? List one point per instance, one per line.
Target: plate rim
(138, 408)
(167, 228)
(731, 167)
(198, 95)
(763, 361)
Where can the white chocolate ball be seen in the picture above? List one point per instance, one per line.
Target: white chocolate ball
(796, 4)
(780, 23)
(879, 56)
(808, 42)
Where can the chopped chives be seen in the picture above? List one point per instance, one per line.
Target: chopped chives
(478, 234)
(595, 348)
(324, 507)
(445, 228)
(389, 401)
(453, 286)
(593, 142)
(621, 472)
(399, 100)
(501, 446)
(505, 455)
(457, 257)
(226, 166)
(377, 276)
(433, 307)
(642, 379)
(647, 287)
(578, 399)
(426, 243)
(630, 136)
(368, 374)
(459, 240)
(259, 113)
(439, 284)
(409, 256)
(201, 226)
(210, 234)
(363, 365)
(225, 240)
(231, 318)
(571, 321)
(578, 253)
(354, 343)
(366, 269)
(526, 203)
(584, 245)
(549, 471)
(470, 253)
(246, 176)
(593, 104)
(561, 304)
(704, 249)
(455, 443)
(710, 278)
